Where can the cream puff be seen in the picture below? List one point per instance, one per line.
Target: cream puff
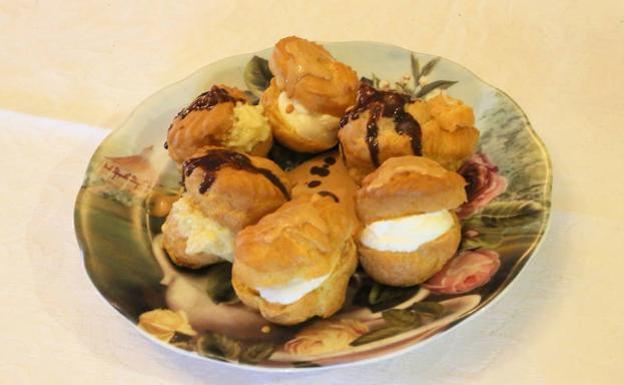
(453, 138)
(386, 124)
(225, 191)
(222, 117)
(194, 239)
(410, 230)
(295, 263)
(309, 93)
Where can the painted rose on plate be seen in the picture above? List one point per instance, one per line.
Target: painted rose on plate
(467, 271)
(325, 336)
(484, 184)
(164, 323)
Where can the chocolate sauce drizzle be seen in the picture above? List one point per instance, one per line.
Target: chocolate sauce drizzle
(207, 100)
(314, 183)
(216, 159)
(323, 171)
(329, 160)
(329, 194)
(320, 171)
(387, 104)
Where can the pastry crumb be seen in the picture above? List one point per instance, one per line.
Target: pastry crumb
(265, 329)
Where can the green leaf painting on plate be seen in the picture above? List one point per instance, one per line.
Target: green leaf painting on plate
(415, 67)
(399, 321)
(221, 347)
(257, 75)
(219, 286)
(420, 86)
(438, 84)
(510, 213)
(378, 297)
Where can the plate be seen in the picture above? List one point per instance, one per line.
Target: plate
(130, 181)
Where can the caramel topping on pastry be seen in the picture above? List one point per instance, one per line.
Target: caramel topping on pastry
(310, 75)
(408, 185)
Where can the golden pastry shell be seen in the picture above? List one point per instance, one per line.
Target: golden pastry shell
(237, 197)
(408, 185)
(311, 76)
(198, 128)
(324, 301)
(304, 239)
(282, 130)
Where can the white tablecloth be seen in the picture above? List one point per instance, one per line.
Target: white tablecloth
(562, 320)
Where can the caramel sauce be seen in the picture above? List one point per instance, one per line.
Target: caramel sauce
(216, 159)
(387, 104)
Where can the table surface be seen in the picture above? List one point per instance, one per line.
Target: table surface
(69, 74)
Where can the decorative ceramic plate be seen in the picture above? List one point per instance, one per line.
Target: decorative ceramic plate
(130, 179)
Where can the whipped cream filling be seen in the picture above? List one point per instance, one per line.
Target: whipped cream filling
(203, 234)
(406, 233)
(250, 127)
(310, 125)
(292, 291)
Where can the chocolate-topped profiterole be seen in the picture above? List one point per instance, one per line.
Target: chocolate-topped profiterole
(384, 104)
(209, 99)
(385, 124)
(225, 191)
(223, 117)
